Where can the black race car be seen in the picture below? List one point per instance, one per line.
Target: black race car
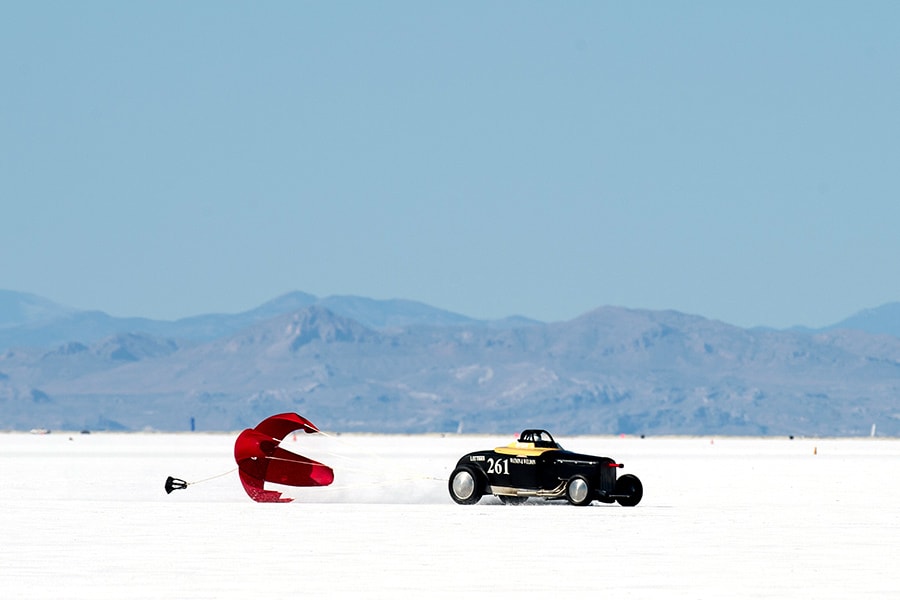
(536, 466)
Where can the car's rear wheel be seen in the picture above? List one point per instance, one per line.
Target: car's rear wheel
(466, 486)
(578, 491)
(630, 489)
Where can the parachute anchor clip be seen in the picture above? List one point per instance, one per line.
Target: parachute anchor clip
(173, 483)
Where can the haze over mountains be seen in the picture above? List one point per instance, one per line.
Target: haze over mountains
(357, 364)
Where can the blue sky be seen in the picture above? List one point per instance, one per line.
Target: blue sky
(733, 160)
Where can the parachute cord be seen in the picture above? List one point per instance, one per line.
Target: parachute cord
(413, 475)
(213, 477)
(410, 476)
(376, 484)
(345, 442)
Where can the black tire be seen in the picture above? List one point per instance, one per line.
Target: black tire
(578, 491)
(513, 500)
(466, 485)
(631, 488)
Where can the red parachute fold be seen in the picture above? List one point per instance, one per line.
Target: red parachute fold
(261, 459)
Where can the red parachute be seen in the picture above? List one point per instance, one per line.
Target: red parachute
(261, 459)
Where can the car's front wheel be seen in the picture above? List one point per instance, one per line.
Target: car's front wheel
(630, 490)
(578, 491)
(466, 486)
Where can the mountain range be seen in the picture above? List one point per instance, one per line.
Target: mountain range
(357, 364)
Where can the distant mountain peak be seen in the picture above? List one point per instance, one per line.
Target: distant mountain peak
(287, 302)
(316, 323)
(19, 308)
(387, 314)
(294, 330)
(883, 319)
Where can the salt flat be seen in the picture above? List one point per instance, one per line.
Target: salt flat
(86, 516)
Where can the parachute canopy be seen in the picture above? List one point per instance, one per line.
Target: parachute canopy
(260, 458)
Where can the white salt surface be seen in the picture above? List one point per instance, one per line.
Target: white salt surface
(86, 516)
